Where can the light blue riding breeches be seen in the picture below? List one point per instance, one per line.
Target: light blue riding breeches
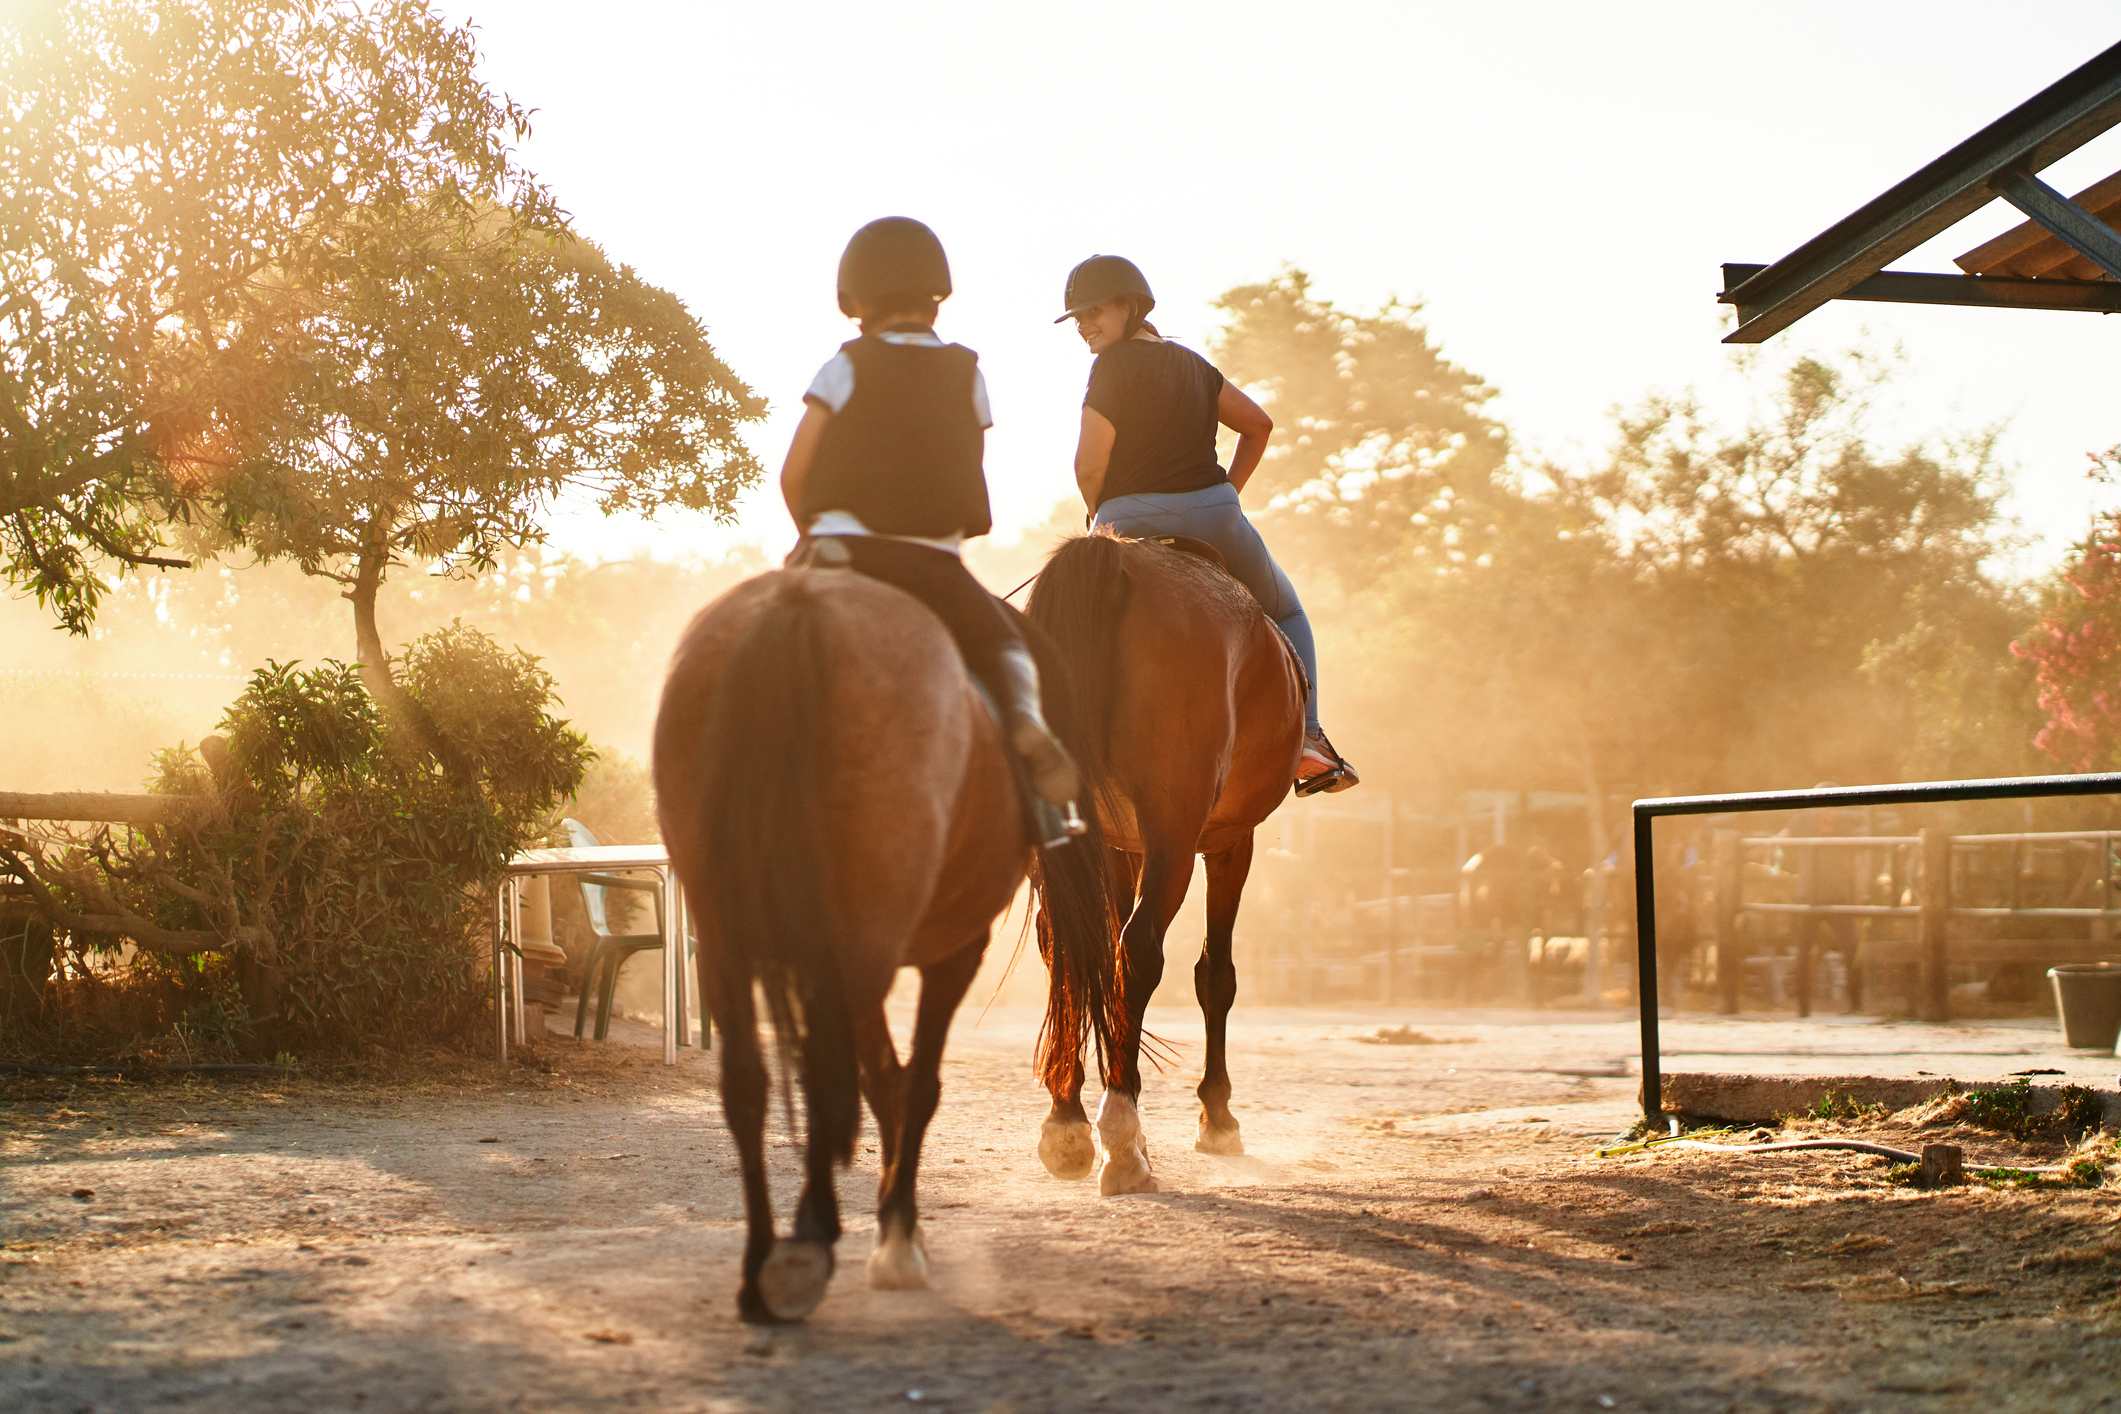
(1214, 515)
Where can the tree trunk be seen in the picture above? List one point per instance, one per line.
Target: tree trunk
(368, 639)
(403, 714)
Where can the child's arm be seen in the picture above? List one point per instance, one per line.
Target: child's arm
(1093, 456)
(796, 470)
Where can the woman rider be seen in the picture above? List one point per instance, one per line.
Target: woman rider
(1146, 463)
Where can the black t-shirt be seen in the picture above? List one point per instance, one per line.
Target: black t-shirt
(1160, 397)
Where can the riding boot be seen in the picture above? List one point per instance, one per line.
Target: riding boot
(1053, 775)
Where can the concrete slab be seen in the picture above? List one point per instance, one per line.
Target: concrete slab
(1748, 1099)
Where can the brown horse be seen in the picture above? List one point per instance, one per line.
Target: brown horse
(1188, 707)
(836, 801)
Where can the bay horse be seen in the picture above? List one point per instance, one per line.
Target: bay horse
(837, 803)
(1189, 709)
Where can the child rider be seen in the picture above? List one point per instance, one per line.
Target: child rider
(884, 476)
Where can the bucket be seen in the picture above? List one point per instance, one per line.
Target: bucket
(2088, 998)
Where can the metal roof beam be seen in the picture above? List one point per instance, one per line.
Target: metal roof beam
(2051, 124)
(2070, 223)
(1992, 291)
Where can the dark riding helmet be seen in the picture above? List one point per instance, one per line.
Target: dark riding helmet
(1104, 277)
(895, 255)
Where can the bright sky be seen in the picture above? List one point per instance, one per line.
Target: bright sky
(1558, 182)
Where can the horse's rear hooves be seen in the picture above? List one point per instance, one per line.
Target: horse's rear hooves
(898, 1264)
(1220, 1141)
(794, 1278)
(1066, 1149)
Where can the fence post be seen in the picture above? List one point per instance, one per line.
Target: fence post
(1725, 874)
(1933, 999)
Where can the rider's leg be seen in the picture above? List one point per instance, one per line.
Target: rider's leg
(993, 649)
(1216, 516)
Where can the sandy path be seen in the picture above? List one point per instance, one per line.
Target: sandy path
(1415, 1227)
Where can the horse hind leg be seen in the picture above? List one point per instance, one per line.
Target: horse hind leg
(799, 1268)
(1066, 1145)
(1215, 984)
(900, 1261)
(744, 1109)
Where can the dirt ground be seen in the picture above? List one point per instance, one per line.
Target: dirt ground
(1417, 1226)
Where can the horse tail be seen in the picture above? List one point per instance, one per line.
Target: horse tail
(766, 846)
(1074, 612)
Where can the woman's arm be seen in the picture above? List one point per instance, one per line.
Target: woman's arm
(1093, 455)
(796, 470)
(1251, 424)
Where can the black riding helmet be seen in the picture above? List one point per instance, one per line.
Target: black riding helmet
(1104, 277)
(894, 255)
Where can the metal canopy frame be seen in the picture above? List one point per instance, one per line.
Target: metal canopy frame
(1648, 811)
(1848, 259)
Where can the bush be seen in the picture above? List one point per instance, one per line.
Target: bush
(342, 864)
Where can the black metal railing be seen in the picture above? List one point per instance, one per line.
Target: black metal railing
(1926, 793)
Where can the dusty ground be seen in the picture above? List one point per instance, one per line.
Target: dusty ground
(1417, 1226)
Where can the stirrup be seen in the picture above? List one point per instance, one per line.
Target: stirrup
(1321, 783)
(1055, 825)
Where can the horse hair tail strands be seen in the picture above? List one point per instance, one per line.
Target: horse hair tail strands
(1078, 600)
(766, 845)
(1076, 607)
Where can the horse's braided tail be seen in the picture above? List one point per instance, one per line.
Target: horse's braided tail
(765, 844)
(1077, 605)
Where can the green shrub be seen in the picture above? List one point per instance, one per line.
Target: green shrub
(2008, 1110)
(344, 862)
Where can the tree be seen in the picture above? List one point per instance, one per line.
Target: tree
(2075, 648)
(167, 167)
(1716, 603)
(1381, 449)
(456, 378)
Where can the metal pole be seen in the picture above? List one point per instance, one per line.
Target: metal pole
(1922, 793)
(1646, 962)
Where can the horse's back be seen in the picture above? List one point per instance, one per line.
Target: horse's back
(1205, 706)
(921, 819)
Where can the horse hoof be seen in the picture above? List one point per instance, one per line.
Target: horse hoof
(1219, 1141)
(1126, 1173)
(1066, 1149)
(899, 1264)
(794, 1278)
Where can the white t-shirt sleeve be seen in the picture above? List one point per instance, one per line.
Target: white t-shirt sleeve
(979, 399)
(834, 384)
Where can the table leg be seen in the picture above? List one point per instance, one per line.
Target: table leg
(500, 990)
(673, 949)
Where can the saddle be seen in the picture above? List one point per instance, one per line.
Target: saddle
(1187, 545)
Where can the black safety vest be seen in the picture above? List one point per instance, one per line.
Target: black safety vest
(903, 456)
